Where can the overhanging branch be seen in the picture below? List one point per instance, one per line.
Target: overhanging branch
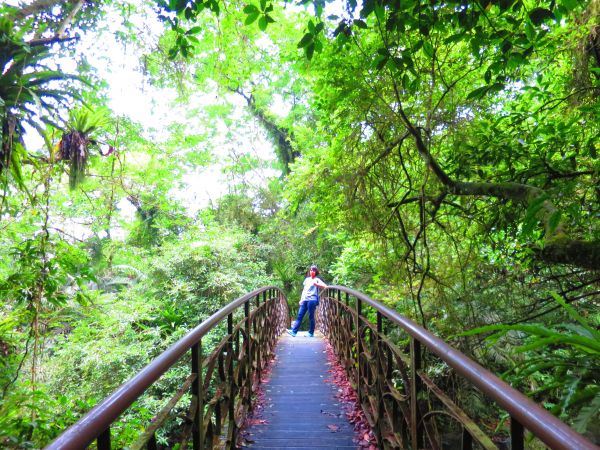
(558, 248)
(280, 136)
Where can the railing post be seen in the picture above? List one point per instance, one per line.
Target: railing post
(416, 432)
(231, 429)
(260, 342)
(248, 350)
(358, 351)
(379, 386)
(103, 441)
(516, 434)
(152, 445)
(467, 440)
(197, 391)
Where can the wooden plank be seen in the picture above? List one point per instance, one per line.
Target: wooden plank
(301, 410)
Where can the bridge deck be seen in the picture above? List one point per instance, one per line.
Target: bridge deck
(301, 411)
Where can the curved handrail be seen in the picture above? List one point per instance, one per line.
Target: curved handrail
(99, 419)
(556, 434)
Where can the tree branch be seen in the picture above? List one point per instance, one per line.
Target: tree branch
(558, 248)
(279, 135)
(68, 20)
(34, 8)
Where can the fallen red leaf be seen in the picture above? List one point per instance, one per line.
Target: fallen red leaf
(365, 438)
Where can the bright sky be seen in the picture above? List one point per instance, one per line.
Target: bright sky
(131, 95)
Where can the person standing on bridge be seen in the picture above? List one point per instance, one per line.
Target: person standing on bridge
(308, 301)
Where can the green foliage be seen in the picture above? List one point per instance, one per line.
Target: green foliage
(54, 263)
(501, 95)
(558, 363)
(74, 145)
(29, 94)
(86, 121)
(261, 13)
(42, 424)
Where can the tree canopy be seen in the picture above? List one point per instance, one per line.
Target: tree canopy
(440, 156)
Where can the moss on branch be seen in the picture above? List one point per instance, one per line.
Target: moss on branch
(558, 247)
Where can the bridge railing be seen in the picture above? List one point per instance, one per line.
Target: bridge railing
(220, 383)
(405, 408)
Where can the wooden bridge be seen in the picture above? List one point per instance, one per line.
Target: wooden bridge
(302, 410)
(384, 354)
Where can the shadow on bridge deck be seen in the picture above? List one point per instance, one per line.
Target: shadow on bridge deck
(301, 410)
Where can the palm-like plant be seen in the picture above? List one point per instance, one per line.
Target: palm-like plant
(30, 93)
(75, 142)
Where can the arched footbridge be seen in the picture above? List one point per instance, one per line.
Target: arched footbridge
(385, 355)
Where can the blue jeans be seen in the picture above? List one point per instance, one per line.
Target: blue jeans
(309, 306)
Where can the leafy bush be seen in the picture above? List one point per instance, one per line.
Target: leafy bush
(559, 365)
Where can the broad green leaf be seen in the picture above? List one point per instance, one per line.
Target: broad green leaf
(360, 24)
(477, 93)
(380, 62)
(251, 9)
(539, 15)
(194, 30)
(537, 343)
(306, 39)
(569, 4)
(15, 165)
(573, 314)
(251, 18)
(309, 50)
(554, 221)
(262, 23)
(318, 46)
(531, 216)
(530, 31)
(587, 414)
(428, 49)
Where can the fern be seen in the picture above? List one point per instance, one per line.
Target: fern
(559, 363)
(587, 414)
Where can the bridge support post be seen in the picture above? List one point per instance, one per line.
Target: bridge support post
(103, 441)
(231, 428)
(248, 348)
(416, 428)
(259, 345)
(198, 414)
(358, 352)
(379, 384)
(516, 434)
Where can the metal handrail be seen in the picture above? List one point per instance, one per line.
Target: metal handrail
(524, 412)
(96, 423)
